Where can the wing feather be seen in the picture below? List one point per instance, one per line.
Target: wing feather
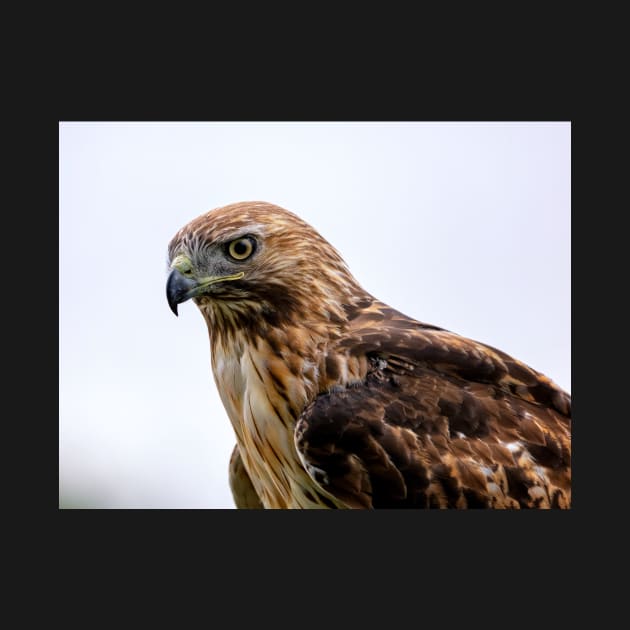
(438, 421)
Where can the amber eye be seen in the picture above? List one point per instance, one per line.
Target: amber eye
(242, 248)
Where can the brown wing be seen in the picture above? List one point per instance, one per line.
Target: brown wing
(245, 497)
(440, 421)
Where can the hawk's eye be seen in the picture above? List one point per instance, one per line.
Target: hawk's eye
(242, 248)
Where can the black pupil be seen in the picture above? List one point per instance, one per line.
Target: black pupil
(241, 247)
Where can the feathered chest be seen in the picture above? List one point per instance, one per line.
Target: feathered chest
(264, 394)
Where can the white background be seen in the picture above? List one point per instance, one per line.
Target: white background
(462, 225)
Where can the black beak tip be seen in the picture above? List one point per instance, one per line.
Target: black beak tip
(178, 289)
(171, 295)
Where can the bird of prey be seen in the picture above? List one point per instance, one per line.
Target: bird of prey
(339, 401)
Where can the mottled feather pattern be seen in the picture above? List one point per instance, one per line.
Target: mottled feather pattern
(479, 416)
(418, 439)
(339, 401)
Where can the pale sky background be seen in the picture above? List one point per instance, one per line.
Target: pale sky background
(462, 225)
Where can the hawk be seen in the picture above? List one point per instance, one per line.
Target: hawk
(338, 400)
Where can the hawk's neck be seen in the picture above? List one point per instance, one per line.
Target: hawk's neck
(265, 376)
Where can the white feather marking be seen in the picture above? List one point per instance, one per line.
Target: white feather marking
(493, 488)
(513, 447)
(540, 471)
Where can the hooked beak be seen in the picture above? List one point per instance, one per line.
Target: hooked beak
(179, 288)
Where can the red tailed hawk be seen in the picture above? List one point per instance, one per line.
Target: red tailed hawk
(338, 400)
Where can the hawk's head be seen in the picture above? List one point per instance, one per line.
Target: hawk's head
(254, 259)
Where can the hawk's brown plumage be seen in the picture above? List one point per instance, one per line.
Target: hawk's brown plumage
(339, 401)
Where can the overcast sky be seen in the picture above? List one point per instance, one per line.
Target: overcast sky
(462, 225)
